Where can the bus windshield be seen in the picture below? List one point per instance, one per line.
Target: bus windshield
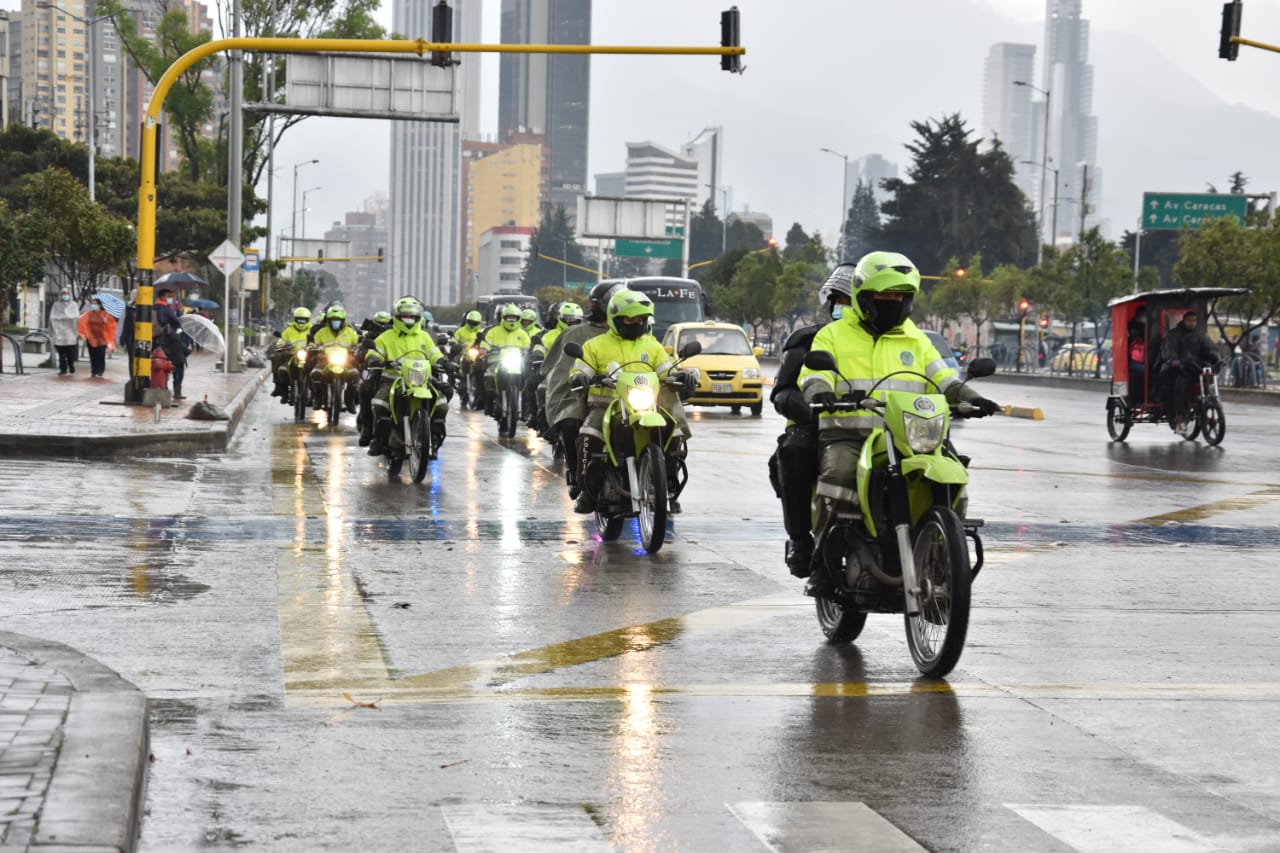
(675, 300)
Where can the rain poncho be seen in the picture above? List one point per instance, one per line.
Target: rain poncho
(63, 317)
(98, 328)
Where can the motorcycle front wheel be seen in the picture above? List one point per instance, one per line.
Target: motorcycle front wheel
(1118, 422)
(511, 409)
(418, 445)
(300, 386)
(1212, 422)
(936, 634)
(609, 526)
(651, 471)
(337, 393)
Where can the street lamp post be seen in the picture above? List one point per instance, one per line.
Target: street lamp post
(305, 193)
(91, 125)
(293, 227)
(844, 188)
(1044, 160)
(1054, 227)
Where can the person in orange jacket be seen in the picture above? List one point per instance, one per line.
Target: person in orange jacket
(98, 328)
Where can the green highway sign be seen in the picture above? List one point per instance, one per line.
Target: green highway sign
(1174, 211)
(648, 248)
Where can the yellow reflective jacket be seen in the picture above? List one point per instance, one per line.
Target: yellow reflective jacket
(500, 337)
(393, 344)
(605, 353)
(466, 335)
(295, 336)
(863, 360)
(346, 335)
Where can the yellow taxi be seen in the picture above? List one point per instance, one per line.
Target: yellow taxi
(727, 371)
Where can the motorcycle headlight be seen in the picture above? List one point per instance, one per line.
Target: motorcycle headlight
(512, 360)
(337, 357)
(473, 353)
(923, 434)
(417, 373)
(751, 373)
(301, 356)
(640, 399)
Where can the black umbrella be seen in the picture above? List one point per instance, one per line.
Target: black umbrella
(179, 278)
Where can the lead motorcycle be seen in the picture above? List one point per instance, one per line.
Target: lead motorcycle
(638, 434)
(907, 550)
(413, 400)
(507, 378)
(334, 373)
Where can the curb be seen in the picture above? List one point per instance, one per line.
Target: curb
(216, 438)
(96, 788)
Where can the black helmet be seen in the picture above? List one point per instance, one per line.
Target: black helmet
(598, 301)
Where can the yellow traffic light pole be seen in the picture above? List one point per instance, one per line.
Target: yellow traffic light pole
(144, 294)
(1258, 44)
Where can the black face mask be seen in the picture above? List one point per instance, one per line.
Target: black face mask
(631, 331)
(889, 314)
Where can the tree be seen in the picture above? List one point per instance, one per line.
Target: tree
(80, 239)
(861, 224)
(967, 295)
(17, 260)
(795, 242)
(706, 234)
(1222, 253)
(550, 295)
(745, 234)
(553, 238)
(960, 201)
(748, 299)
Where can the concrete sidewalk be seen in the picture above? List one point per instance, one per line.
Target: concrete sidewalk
(73, 750)
(44, 414)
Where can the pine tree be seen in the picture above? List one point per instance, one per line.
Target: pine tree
(861, 224)
(555, 239)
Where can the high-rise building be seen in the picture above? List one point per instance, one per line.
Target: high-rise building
(549, 94)
(426, 159)
(657, 172)
(363, 283)
(1073, 129)
(870, 169)
(500, 254)
(1007, 114)
(611, 184)
(707, 150)
(502, 188)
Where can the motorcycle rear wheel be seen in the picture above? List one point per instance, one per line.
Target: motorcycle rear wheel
(936, 634)
(419, 445)
(838, 623)
(651, 472)
(609, 526)
(1213, 422)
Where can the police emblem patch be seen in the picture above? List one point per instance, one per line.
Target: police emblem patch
(644, 357)
(907, 358)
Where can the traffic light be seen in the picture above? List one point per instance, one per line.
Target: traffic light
(1227, 49)
(379, 254)
(1023, 307)
(730, 37)
(1044, 321)
(959, 273)
(442, 33)
(320, 256)
(773, 242)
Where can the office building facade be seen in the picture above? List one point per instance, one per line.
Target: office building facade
(1007, 111)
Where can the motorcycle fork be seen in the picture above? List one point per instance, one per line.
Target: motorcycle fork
(900, 512)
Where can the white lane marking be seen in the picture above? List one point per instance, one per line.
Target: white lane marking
(501, 828)
(819, 827)
(1101, 828)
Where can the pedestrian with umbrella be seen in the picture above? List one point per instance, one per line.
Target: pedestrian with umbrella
(169, 337)
(63, 317)
(98, 328)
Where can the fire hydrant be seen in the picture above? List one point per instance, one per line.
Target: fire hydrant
(161, 367)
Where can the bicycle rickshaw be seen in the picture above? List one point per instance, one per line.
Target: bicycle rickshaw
(1136, 364)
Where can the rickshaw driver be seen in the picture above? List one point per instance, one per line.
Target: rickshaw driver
(1186, 348)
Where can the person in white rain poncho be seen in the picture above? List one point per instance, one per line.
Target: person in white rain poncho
(63, 317)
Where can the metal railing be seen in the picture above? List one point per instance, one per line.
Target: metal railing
(1244, 370)
(17, 354)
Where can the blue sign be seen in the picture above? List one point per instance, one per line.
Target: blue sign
(250, 262)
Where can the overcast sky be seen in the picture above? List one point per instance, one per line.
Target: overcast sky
(820, 73)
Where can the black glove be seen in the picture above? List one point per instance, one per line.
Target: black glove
(578, 382)
(791, 405)
(826, 400)
(987, 407)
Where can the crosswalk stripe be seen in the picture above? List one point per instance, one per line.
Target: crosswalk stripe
(540, 828)
(818, 827)
(1104, 828)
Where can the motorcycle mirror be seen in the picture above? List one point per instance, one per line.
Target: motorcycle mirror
(820, 360)
(573, 349)
(691, 349)
(979, 368)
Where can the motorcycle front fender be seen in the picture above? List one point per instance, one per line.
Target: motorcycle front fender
(936, 468)
(422, 393)
(649, 419)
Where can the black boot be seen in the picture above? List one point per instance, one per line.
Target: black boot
(799, 555)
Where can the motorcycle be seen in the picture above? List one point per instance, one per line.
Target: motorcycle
(413, 399)
(508, 376)
(906, 550)
(299, 382)
(638, 433)
(333, 374)
(462, 359)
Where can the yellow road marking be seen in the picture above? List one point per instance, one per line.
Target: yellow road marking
(1253, 500)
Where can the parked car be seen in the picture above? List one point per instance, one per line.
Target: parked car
(727, 371)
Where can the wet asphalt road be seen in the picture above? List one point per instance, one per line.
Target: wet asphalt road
(535, 689)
